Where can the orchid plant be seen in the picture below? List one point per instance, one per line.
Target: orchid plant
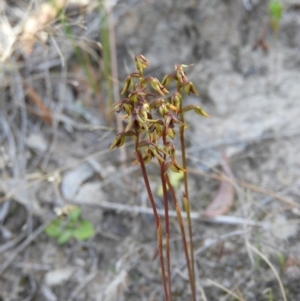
(154, 117)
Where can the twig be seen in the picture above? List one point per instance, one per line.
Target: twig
(45, 113)
(211, 243)
(11, 193)
(12, 243)
(261, 40)
(246, 140)
(17, 92)
(218, 240)
(11, 144)
(230, 220)
(281, 193)
(23, 245)
(55, 123)
(245, 185)
(79, 125)
(82, 285)
(114, 177)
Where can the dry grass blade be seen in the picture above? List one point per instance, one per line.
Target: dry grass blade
(239, 292)
(202, 292)
(228, 291)
(23, 245)
(11, 244)
(117, 287)
(45, 114)
(245, 185)
(272, 268)
(223, 237)
(107, 35)
(115, 76)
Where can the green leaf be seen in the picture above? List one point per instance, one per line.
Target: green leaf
(64, 236)
(275, 9)
(159, 191)
(75, 214)
(175, 178)
(84, 230)
(54, 229)
(281, 260)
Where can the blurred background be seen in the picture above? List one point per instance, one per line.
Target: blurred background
(74, 218)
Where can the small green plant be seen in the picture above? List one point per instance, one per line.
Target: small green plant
(275, 11)
(268, 292)
(69, 224)
(154, 115)
(281, 260)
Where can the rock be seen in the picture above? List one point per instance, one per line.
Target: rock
(73, 179)
(59, 276)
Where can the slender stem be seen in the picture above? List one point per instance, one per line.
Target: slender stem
(149, 191)
(185, 177)
(162, 264)
(183, 236)
(167, 225)
(157, 220)
(115, 76)
(187, 204)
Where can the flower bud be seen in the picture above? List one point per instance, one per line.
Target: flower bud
(118, 141)
(176, 99)
(141, 63)
(189, 88)
(171, 133)
(180, 75)
(157, 86)
(173, 108)
(154, 150)
(143, 111)
(163, 109)
(198, 110)
(128, 84)
(193, 89)
(170, 149)
(167, 79)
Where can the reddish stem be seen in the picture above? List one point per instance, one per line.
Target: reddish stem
(183, 236)
(186, 195)
(157, 220)
(167, 225)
